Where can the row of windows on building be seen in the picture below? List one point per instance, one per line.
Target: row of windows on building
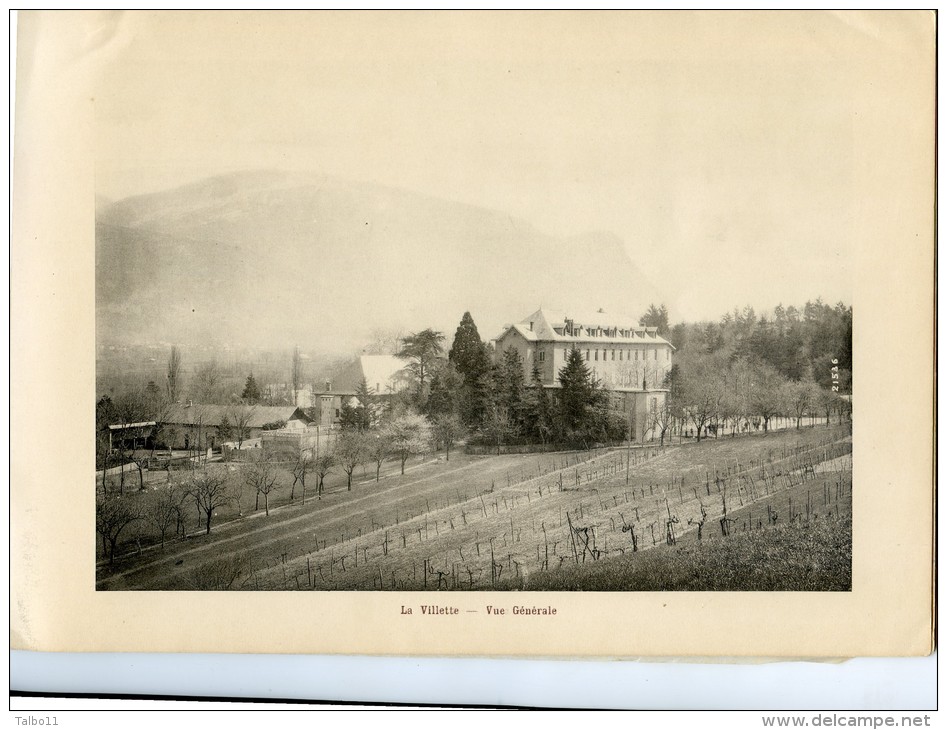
(610, 354)
(582, 331)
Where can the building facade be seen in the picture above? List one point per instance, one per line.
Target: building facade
(282, 393)
(385, 375)
(630, 361)
(197, 425)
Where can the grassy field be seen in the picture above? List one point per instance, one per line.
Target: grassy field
(530, 522)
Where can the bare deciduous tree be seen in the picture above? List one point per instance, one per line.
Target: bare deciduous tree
(302, 464)
(377, 446)
(112, 517)
(240, 418)
(164, 509)
(130, 414)
(210, 491)
(207, 383)
(104, 417)
(350, 452)
(764, 393)
(263, 477)
(497, 424)
(828, 402)
(738, 386)
(323, 466)
(798, 398)
(701, 390)
(448, 428)
(661, 417)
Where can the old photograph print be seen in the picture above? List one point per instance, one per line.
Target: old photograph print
(474, 302)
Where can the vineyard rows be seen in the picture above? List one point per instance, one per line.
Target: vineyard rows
(567, 511)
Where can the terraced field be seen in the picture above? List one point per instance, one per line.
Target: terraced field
(511, 522)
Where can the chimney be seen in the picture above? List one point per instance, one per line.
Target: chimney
(189, 403)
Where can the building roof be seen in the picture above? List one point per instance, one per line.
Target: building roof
(589, 318)
(120, 426)
(384, 370)
(213, 415)
(525, 331)
(576, 326)
(387, 373)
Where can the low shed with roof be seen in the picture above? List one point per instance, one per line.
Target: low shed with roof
(190, 425)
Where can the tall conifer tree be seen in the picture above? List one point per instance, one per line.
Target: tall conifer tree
(469, 356)
(579, 397)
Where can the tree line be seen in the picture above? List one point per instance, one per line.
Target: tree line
(743, 371)
(812, 342)
(738, 372)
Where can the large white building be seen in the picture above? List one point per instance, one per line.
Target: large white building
(629, 360)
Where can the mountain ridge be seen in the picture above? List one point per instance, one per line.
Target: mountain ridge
(265, 257)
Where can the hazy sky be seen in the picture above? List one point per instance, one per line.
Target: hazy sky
(721, 147)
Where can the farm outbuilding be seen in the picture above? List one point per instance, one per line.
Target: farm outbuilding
(189, 425)
(131, 435)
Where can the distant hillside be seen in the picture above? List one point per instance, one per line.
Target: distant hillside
(269, 258)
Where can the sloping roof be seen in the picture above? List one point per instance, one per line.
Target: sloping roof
(525, 331)
(545, 322)
(121, 426)
(589, 318)
(212, 415)
(386, 372)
